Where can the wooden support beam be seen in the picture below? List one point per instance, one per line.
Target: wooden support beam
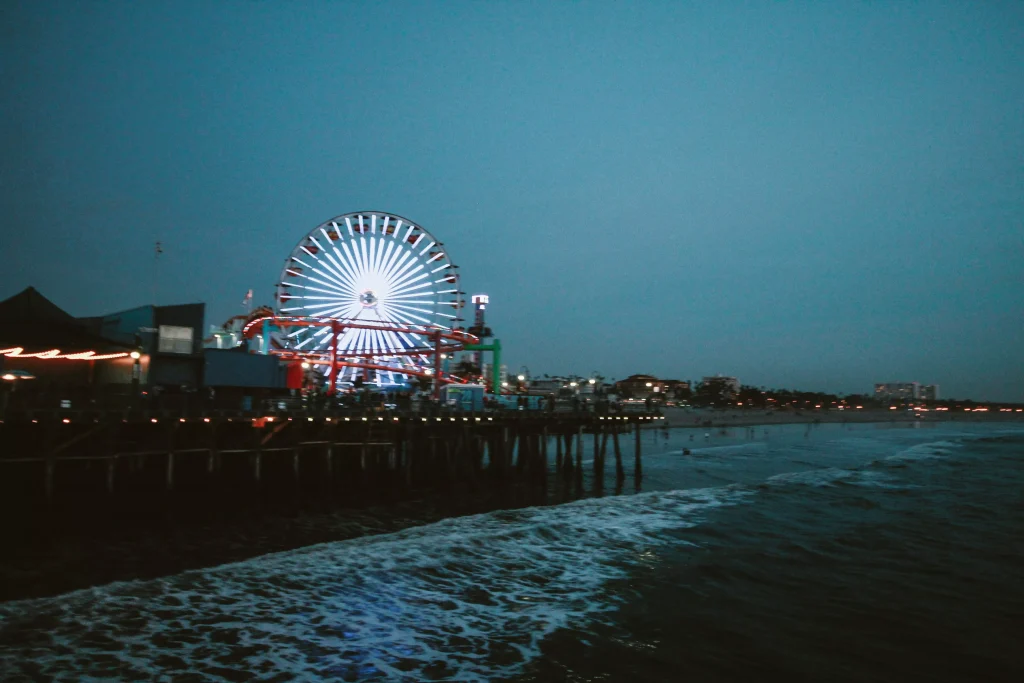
(620, 474)
(638, 468)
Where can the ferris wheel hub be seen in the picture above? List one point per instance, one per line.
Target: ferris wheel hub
(368, 298)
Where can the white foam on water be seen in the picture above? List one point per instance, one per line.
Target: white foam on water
(827, 476)
(464, 599)
(753, 448)
(923, 451)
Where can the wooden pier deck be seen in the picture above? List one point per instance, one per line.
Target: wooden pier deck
(144, 458)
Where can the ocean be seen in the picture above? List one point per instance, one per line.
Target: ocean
(876, 552)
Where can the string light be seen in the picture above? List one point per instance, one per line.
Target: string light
(19, 352)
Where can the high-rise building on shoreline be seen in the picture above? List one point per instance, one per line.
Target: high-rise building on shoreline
(906, 391)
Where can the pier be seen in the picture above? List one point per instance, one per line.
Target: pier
(142, 460)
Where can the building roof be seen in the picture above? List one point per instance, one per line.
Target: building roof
(31, 321)
(30, 307)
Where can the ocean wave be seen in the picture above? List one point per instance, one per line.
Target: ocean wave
(923, 451)
(463, 599)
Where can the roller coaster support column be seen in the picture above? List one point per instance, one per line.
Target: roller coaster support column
(437, 365)
(495, 348)
(334, 359)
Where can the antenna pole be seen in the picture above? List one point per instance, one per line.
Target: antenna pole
(156, 270)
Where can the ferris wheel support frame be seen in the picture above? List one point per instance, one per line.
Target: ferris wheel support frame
(441, 340)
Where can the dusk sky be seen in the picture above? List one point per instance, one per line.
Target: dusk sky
(809, 195)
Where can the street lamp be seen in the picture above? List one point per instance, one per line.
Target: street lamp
(136, 357)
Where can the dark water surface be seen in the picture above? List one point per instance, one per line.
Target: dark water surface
(838, 553)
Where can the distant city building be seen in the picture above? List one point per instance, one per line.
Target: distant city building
(930, 392)
(638, 386)
(729, 385)
(898, 391)
(678, 388)
(642, 386)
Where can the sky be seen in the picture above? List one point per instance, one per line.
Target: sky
(806, 195)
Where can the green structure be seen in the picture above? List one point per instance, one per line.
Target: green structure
(495, 348)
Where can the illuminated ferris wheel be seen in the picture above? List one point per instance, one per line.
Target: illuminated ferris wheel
(385, 279)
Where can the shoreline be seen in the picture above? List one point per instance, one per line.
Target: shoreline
(688, 418)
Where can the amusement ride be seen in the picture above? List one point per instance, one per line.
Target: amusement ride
(366, 297)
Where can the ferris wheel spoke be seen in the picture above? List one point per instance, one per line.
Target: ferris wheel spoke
(405, 307)
(351, 249)
(342, 311)
(378, 261)
(400, 262)
(366, 259)
(327, 271)
(410, 287)
(347, 340)
(364, 346)
(350, 258)
(319, 290)
(375, 344)
(422, 289)
(407, 317)
(372, 247)
(336, 288)
(395, 269)
(406, 275)
(388, 257)
(382, 249)
(385, 342)
(411, 344)
(343, 268)
(410, 265)
(409, 283)
(364, 255)
(382, 343)
(322, 298)
(439, 268)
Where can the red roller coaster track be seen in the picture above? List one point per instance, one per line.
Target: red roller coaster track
(436, 341)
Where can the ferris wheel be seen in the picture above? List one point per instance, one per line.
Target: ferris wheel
(386, 280)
